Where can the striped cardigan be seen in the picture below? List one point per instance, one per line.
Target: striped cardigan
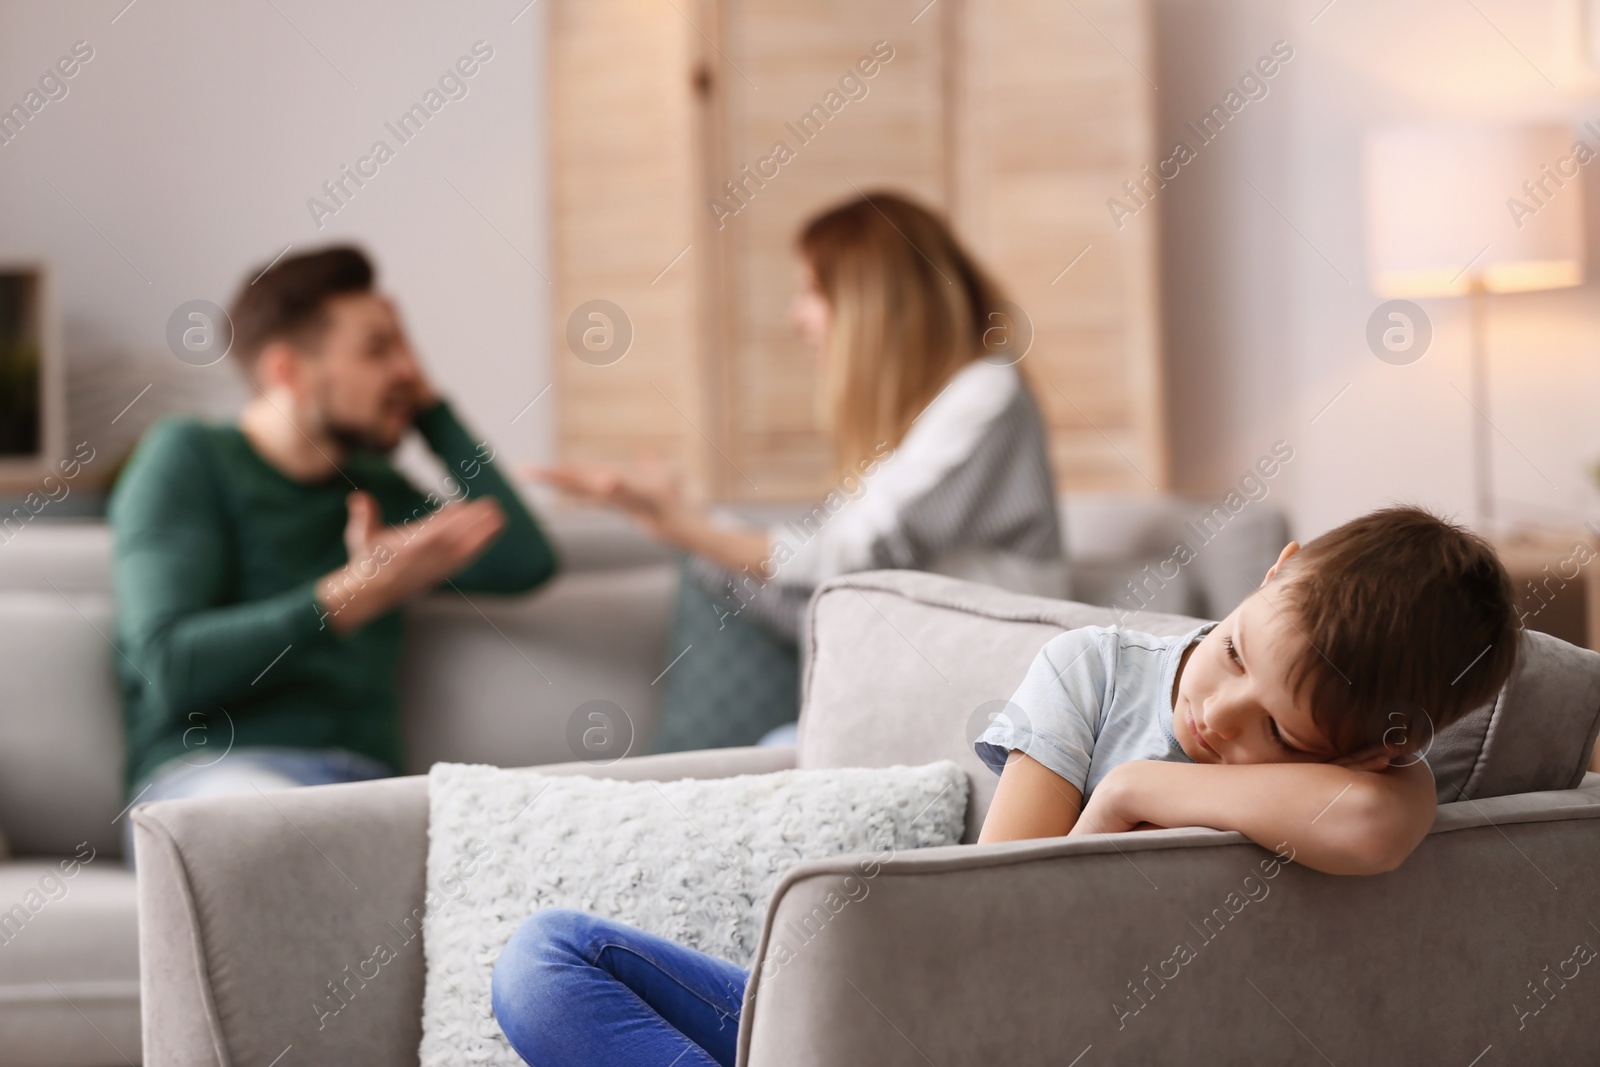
(968, 493)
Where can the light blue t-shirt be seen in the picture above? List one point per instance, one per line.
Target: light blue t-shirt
(1094, 697)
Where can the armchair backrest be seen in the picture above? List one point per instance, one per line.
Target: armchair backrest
(907, 667)
(904, 667)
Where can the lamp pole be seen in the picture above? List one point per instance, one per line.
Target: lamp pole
(1483, 476)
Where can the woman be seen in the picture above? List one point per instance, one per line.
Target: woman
(939, 454)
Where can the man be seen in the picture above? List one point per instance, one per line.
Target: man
(260, 566)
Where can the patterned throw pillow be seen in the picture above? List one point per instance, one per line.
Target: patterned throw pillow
(692, 860)
(730, 678)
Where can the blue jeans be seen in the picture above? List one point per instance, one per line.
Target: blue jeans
(572, 989)
(244, 770)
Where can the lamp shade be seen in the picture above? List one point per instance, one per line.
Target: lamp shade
(1451, 207)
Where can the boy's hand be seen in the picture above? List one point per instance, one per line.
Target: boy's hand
(1108, 811)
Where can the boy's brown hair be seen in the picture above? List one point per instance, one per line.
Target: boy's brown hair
(1412, 623)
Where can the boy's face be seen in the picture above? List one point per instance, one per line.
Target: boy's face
(1232, 702)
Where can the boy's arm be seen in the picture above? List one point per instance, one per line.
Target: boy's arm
(1030, 801)
(1338, 820)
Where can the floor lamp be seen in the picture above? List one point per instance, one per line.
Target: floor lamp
(1471, 210)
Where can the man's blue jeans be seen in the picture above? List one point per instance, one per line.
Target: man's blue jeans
(572, 990)
(245, 770)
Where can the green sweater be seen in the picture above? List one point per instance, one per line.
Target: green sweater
(220, 641)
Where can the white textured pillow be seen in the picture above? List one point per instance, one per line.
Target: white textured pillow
(692, 860)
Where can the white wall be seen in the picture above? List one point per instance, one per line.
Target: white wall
(193, 139)
(1262, 331)
(195, 136)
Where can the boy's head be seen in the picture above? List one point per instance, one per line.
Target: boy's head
(1355, 648)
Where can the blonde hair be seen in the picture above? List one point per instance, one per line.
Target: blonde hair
(909, 309)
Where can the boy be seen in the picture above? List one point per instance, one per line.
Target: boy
(1300, 720)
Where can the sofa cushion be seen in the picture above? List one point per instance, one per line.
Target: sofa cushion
(1114, 539)
(905, 667)
(61, 721)
(487, 678)
(72, 555)
(908, 668)
(1537, 734)
(728, 678)
(69, 963)
(503, 679)
(596, 539)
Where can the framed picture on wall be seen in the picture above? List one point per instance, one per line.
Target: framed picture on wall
(31, 386)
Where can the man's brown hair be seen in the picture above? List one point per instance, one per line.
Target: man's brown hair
(1411, 622)
(288, 300)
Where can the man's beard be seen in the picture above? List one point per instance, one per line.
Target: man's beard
(355, 437)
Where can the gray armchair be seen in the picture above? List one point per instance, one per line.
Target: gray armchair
(1029, 952)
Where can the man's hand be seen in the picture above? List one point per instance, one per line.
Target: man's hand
(423, 394)
(391, 564)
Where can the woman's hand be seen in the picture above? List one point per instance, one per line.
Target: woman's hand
(650, 493)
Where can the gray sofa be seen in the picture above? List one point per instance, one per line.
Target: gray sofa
(487, 681)
(1038, 952)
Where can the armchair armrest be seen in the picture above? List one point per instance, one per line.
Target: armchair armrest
(259, 913)
(1183, 946)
